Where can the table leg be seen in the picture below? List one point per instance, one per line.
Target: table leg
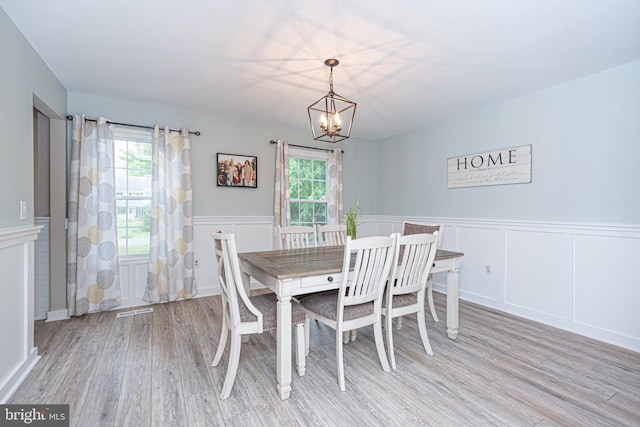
(452, 301)
(284, 342)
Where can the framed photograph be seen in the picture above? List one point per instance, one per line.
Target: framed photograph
(237, 170)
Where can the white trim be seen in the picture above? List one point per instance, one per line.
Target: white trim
(553, 273)
(17, 266)
(624, 228)
(18, 235)
(19, 376)
(217, 220)
(133, 134)
(55, 315)
(308, 153)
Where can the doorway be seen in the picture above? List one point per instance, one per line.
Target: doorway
(41, 214)
(50, 211)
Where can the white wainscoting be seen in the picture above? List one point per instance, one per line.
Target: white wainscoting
(252, 234)
(17, 353)
(577, 277)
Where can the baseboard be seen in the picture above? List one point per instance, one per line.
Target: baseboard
(55, 315)
(18, 376)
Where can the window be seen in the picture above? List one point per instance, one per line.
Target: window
(133, 190)
(308, 187)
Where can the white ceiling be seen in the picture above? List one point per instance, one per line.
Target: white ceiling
(406, 63)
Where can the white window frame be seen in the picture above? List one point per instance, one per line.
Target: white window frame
(311, 154)
(136, 135)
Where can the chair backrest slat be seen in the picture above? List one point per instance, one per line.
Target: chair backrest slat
(415, 255)
(296, 236)
(373, 261)
(332, 234)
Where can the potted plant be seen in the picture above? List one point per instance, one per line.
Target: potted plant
(351, 219)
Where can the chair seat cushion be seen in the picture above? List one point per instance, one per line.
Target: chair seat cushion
(326, 305)
(402, 300)
(267, 304)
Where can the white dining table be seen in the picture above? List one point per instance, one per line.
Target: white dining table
(294, 272)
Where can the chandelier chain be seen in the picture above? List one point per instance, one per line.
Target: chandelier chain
(331, 81)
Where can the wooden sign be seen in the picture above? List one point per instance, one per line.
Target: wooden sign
(506, 166)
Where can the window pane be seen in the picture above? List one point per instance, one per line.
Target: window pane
(138, 240)
(121, 182)
(295, 212)
(320, 213)
(319, 190)
(294, 185)
(293, 167)
(120, 153)
(139, 183)
(133, 193)
(320, 170)
(305, 190)
(122, 240)
(306, 168)
(121, 211)
(307, 180)
(306, 213)
(139, 155)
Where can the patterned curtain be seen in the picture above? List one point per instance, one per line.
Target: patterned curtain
(93, 270)
(171, 258)
(335, 209)
(281, 210)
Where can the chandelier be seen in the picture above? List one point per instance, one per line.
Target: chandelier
(332, 115)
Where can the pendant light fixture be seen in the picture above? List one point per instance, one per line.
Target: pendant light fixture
(332, 115)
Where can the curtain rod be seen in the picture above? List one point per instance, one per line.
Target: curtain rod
(196, 133)
(302, 146)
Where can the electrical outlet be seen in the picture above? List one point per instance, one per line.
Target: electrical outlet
(196, 263)
(488, 269)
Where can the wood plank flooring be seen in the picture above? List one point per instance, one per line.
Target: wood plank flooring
(154, 370)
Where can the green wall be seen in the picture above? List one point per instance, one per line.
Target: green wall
(237, 135)
(585, 138)
(23, 77)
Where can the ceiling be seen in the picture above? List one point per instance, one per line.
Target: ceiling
(406, 63)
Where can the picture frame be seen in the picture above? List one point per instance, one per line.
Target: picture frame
(230, 175)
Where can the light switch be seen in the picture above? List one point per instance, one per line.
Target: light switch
(23, 210)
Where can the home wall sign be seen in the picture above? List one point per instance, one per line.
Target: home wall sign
(505, 166)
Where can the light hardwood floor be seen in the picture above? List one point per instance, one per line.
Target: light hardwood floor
(154, 369)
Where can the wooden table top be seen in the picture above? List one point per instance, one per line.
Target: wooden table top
(291, 263)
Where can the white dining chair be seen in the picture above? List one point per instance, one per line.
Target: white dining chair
(419, 228)
(405, 292)
(296, 236)
(335, 235)
(243, 315)
(332, 234)
(358, 301)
